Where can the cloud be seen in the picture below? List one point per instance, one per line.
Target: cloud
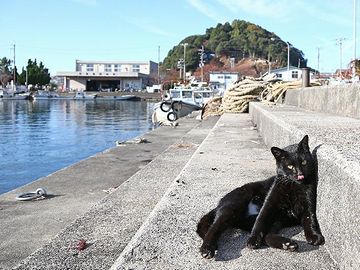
(265, 8)
(328, 13)
(207, 10)
(154, 30)
(147, 26)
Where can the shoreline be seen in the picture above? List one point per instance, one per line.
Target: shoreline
(139, 95)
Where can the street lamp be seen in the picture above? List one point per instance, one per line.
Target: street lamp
(354, 41)
(288, 60)
(288, 56)
(184, 45)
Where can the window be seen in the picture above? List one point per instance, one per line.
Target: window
(117, 68)
(175, 94)
(187, 94)
(294, 74)
(278, 75)
(227, 77)
(108, 68)
(220, 77)
(136, 68)
(90, 67)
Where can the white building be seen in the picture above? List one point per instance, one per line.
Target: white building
(109, 75)
(220, 81)
(293, 74)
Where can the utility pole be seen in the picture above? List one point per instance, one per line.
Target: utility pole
(158, 75)
(180, 65)
(202, 62)
(288, 60)
(27, 77)
(14, 70)
(184, 45)
(318, 61)
(354, 34)
(339, 42)
(354, 45)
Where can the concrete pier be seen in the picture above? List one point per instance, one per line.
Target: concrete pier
(149, 221)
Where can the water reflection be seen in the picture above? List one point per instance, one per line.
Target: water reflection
(38, 138)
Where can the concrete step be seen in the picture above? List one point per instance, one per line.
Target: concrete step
(339, 169)
(108, 225)
(232, 154)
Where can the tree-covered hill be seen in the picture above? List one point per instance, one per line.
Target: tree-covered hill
(238, 40)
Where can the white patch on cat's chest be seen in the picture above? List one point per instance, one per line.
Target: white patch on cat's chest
(253, 209)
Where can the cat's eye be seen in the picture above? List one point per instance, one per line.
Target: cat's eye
(303, 162)
(290, 167)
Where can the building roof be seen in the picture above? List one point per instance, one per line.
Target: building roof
(223, 72)
(284, 69)
(113, 62)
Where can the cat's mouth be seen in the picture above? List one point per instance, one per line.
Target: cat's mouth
(300, 177)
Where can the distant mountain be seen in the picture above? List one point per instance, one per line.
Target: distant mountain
(238, 40)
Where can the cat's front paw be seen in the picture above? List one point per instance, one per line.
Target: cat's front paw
(207, 251)
(254, 242)
(315, 239)
(290, 246)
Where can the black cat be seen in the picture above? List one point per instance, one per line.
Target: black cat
(265, 207)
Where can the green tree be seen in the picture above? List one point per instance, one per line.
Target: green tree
(37, 73)
(5, 71)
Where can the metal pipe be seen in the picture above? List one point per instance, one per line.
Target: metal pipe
(305, 77)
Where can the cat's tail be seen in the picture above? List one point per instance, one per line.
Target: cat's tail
(205, 223)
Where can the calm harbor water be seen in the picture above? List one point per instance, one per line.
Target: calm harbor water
(38, 138)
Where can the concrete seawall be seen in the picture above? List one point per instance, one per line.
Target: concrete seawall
(341, 100)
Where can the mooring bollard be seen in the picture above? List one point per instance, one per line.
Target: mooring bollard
(305, 77)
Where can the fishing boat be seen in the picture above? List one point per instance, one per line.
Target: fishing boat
(44, 95)
(11, 95)
(83, 95)
(181, 101)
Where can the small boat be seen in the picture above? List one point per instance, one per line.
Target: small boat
(124, 97)
(10, 95)
(83, 95)
(44, 95)
(181, 101)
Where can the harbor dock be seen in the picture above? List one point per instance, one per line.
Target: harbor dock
(137, 205)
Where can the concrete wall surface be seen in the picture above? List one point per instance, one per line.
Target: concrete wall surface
(342, 99)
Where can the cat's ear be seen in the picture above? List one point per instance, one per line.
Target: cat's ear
(304, 144)
(278, 153)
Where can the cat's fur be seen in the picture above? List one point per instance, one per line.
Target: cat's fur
(264, 207)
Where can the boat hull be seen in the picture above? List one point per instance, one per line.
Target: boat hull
(124, 97)
(167, 112)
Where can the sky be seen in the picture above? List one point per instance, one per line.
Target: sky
(57, 32)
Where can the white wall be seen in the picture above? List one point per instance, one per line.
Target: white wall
(77, 84)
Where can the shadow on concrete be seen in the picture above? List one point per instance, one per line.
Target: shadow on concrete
(232, 242)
